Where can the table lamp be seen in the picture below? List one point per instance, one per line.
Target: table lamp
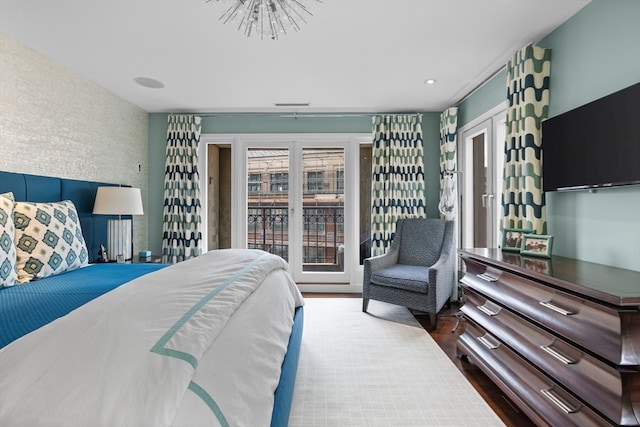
(118, 201)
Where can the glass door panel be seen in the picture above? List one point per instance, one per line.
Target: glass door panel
(268, 201)
(322, 209)
(480, 194)
(294, 201)
(482, 160)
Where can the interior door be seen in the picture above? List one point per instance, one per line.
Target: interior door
(481, 158)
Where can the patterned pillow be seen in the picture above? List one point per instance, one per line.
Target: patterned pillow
(8, 274)
(48, 239)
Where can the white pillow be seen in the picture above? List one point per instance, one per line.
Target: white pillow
(8, 274)
(49, 239)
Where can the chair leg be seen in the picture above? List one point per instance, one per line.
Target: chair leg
(365, 304)
(433, 317)
(449, 303)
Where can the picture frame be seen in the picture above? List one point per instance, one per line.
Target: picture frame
(512, 238)
(537, 245)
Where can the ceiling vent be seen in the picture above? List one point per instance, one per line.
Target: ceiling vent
(292, 104)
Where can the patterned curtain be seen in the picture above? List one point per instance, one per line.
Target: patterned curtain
(182, 220)
(448, 161)
(523, 200)
(397, 182)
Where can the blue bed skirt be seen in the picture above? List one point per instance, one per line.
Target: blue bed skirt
(284, 392)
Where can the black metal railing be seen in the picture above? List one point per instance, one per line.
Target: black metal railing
(322, 238)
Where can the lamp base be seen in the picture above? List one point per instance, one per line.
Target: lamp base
(119, 245)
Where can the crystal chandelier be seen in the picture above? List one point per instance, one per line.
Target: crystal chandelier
(267, 18)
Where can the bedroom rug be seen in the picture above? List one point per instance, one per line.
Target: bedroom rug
(378, 369)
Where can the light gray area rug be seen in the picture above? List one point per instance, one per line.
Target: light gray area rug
(378, 369)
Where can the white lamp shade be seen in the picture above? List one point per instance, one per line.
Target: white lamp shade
(118, 201)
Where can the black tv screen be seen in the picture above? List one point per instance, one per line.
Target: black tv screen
(595, 145)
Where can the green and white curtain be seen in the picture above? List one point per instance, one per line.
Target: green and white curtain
(182, 212)
(523, 201)
(448, 161)
(397, 182)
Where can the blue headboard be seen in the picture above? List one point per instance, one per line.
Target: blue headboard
(35, 188)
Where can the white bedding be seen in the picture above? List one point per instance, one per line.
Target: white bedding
(198, 343)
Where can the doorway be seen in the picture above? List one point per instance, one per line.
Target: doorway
(293, 195)
(481, 154)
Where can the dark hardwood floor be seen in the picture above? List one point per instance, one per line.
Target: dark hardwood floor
(446, 339)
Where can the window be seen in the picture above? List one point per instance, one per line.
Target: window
(340, 181)
(315, 181)
(279, 182)
(254, 182)
(314, 254)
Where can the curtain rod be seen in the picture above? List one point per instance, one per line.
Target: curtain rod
(495, 73)
(295, 115)
(482, 83)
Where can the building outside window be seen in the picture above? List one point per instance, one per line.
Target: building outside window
(314, 255)
(279, 182)
(315, 181)
(254, 182)
(340, 181)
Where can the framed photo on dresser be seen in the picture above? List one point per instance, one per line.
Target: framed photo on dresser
(512, 238)
(537, 245)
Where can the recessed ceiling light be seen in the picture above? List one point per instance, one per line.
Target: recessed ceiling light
(429, 81)
(149, 82)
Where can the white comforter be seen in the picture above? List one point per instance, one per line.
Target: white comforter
(169, 348)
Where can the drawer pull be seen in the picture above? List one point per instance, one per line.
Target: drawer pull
(487, 343)
(487, 277)
(555, 308)
(557, 355)
(488, 311)
(548, 393)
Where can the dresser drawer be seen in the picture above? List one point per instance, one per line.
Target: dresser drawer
(611, 332)
(544, 401)
(598, 383)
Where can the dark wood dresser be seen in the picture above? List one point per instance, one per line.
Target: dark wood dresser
(560, 337)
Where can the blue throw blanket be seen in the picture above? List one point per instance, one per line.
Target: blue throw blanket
(24, 308)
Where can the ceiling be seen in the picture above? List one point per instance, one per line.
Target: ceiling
(351, 55)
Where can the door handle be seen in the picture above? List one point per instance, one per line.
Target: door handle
(486, 197)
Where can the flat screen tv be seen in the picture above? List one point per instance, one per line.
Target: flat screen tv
(595, 145)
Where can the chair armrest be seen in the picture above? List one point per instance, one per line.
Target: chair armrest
(377, 262)
(382, 261)
(441, 277)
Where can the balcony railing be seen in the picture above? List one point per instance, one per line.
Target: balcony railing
(322, 238)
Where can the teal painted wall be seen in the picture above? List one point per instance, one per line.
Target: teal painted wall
(593, 54)
(252, 123)
(484, 99)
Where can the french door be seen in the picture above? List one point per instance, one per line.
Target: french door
(296, 197)
(481, 159)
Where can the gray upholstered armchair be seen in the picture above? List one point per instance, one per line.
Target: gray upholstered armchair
(417, 271)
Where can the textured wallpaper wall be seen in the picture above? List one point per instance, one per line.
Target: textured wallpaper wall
(54, 122)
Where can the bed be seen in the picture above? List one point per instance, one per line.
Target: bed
(210, 341)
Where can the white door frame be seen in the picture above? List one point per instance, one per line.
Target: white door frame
(352, 276)
(492, 124)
